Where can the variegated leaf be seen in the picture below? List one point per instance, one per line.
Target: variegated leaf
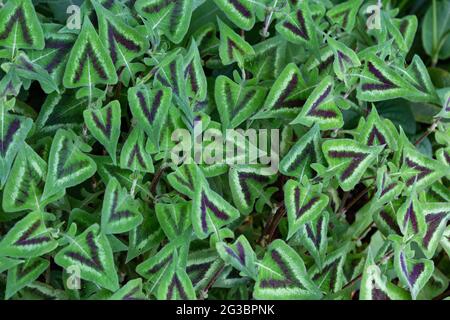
(232, 47)
(376, 131)
(183, 179)
(194, 74)
(67, 164)
(202, 266)
(240, 12)
(28, 238)
(247, 184)
(386, 221)
(303, 204)
(350, 159)
(174, 218)
(89, 62)
(131, 291)
(175, 284)
(436, 218)
(282, 275)
(411, 217)
(120, 212)
(321, 108)
(104, 125)
(8, 263)
(302, 154)
(314, 236)
(92, 254)
(417, 75)
(172, 17)
(240, 255)
(135, 154)
(20, 28)
(23, 274)
(236, 102)
(345, 14)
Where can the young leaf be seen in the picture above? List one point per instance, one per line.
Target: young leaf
(175, 284)
(240, 255)
(411, 217)
(174, 218)
(313, 235)
(92, 254)
(377, 131)
(183, 179)
(104, 125)
(232, 47)
(345, 14)
(135, 154)
(89, 62)
(282, 275)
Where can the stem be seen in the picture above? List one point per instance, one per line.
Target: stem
(355, 200)
(156, 179)
(275, 221)
(430, 130)
(204, 292)
(268, 20)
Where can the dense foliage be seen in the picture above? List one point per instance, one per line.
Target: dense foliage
(94, 207)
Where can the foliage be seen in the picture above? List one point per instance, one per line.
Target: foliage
(94, 207)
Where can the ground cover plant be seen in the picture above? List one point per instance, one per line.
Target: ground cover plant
(348, 197)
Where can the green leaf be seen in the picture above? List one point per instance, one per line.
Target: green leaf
(345, 14)
(313, 236)
(240, 12)
(92, 254)
(376, 131)
(23, 274)
(436, 217)
(194, 74)
(175, 284)
(135, 154)
(232, 47)
(131, 291)
(435, 31)
(240, 255)
(411, 217)
(282, 275)
(28, 238)
(174, 218)
(104, 125)
(89, 62)
(68, 166)
(21, 28)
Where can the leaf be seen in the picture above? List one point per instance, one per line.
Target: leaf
(419, 171)
(202, 266)
(194, 74)
(21, 28)
(303, 204)
(247, 184)
(414, 273)
(350, 158)
(174, 218)
(345, 14)
(92, 254)
(210, 211)
(302, 154)
(28, 238)
(175, 284)
(321, 108)
(157, 265)
(407, 27)
(183, 178)
(150, 108)
(240, 255)
(313, 235)
(282, 275)
(68, 166)
(172, 17)
(120, 212)
(236, 102)
(411, 218)
(23, 274)
(131, 291)
(232, 47)
(381, 82)
(377, 132)
(89, 62)
(418, 76)
(298, 27)
(344, 59)
(436, 217)
(435, 28)
(104, 125)
(240, 12)
(13, 131)
(135, 154)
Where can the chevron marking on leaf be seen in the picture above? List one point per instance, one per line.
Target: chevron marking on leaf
(23, 274)
(298, 27)
(134, 155)
(240, 12)
(436, 217)
(240, 255)
(232, 47)
(182, 179)
(345, 13)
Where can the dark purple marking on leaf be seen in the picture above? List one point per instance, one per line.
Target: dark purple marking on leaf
(63, 48)
(284, 101)
(385, 84)
(389, 220)
(115, 38)
(326, 63)
(357, 158)
(343, 58)
(317, 237)
(289, 280)
(6, 141)
(308, 154)
(378, 294)
(108, 3)
(243, 178)
(26, 238)
(240, 8)
(24, 269)
(26, 65)
(94, 260)
(89, 55)
(375, 133)
(315, 112)
(301, 30)
(301, 211)
(177, 11)
(415, 272)
(404, 26)
(105, 128)
(411, 216)
(176, 284)
(189, 74)
(198, 271)
(189, 181)
(136, 154)
(131, 293)
(243, 103)
(118, 215)
(447, 105)
(231, 45)
(447, 157)
(345, 14)
(204, 206)
(419, 82)
(424, 171)
(433, 221)
(64, 155)
(150, 113)
(17, 17)
(240, 256)
(387, 189)
(157, 267)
